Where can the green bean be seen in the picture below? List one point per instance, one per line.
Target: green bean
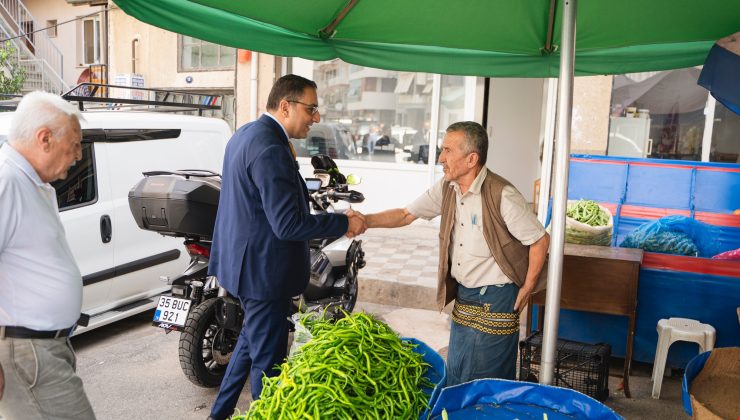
(588, 212)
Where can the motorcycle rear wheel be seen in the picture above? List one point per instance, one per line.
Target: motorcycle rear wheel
(203, 364)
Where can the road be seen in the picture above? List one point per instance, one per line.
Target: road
(131, 371)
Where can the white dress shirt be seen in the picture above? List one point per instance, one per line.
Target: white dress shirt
(40, 283)
(472, 264)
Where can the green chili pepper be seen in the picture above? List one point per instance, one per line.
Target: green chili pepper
(356, 367)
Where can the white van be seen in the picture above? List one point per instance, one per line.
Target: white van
(124, 268)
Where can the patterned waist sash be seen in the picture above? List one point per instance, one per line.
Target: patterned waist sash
(480, 318)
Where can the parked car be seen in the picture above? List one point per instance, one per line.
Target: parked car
(122, 266)
(331, 139)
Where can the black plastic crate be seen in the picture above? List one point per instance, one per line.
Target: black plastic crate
(579, 366)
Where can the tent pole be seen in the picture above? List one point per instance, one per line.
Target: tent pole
(560, 194)
(547, 145)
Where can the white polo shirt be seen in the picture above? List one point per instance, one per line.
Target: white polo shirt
(471, 262)
(40, 283)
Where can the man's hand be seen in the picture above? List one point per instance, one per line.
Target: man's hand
(357, 225)
(522, 297)
(2, 382)
(537, 254)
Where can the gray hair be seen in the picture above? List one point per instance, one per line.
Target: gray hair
(476, 138)
(40, 110)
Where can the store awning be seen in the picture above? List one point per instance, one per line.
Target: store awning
(502, 38)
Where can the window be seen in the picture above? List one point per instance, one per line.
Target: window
(201, 55)
(370, 84)
(363, 117)
(226, 113)
(388, 85)
(658, 115)
(51, 30)
(666, 115)
(79, 188)
(90, 53)
(725, 146)
(28, 30)
(376, 115)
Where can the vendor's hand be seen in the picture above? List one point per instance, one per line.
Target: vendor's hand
(522, 298)
(357, 225)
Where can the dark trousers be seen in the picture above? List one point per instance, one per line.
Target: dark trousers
(262, 343)
(473, 354)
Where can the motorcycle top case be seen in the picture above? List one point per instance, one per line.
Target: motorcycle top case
(176, 205)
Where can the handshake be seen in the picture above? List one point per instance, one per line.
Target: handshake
(357, 223)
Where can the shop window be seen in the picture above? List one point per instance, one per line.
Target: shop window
(376, 115)
(201, 55)
(364, 117)
(725, 146)
(658, 115)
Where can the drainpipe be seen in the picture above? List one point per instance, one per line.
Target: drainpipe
(253, 86)
(434, 127)
(106, 31)
(134, 56)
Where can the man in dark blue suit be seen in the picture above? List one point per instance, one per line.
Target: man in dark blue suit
(260, 243)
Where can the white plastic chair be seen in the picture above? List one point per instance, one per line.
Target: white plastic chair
(678, 329)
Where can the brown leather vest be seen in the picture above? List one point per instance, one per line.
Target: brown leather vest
(509, 253)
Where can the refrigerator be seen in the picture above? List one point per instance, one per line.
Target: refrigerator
(629, 137)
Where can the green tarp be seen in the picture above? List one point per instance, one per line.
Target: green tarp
(498, 38)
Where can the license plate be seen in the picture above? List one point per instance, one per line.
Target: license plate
(171, 313)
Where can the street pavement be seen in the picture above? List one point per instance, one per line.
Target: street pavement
(131, 369)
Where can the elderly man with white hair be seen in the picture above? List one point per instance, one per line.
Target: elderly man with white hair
(41, 284)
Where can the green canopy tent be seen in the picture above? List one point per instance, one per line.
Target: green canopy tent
(494, 38)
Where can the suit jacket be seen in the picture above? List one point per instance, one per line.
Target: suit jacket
(263, 224)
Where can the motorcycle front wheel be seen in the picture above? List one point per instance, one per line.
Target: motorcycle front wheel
(201, 360)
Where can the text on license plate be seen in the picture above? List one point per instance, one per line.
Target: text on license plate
(172, 311)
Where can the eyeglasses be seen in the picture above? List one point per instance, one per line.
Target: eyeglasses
(313, 109)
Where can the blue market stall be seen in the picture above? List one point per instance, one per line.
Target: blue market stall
(642, 190)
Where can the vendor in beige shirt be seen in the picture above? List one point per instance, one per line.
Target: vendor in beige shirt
(492, 250)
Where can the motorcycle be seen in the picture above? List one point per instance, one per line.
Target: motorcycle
(183, 204)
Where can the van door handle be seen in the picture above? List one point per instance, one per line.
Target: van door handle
(106, 229)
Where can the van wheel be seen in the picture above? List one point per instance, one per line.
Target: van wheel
(201, 359)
